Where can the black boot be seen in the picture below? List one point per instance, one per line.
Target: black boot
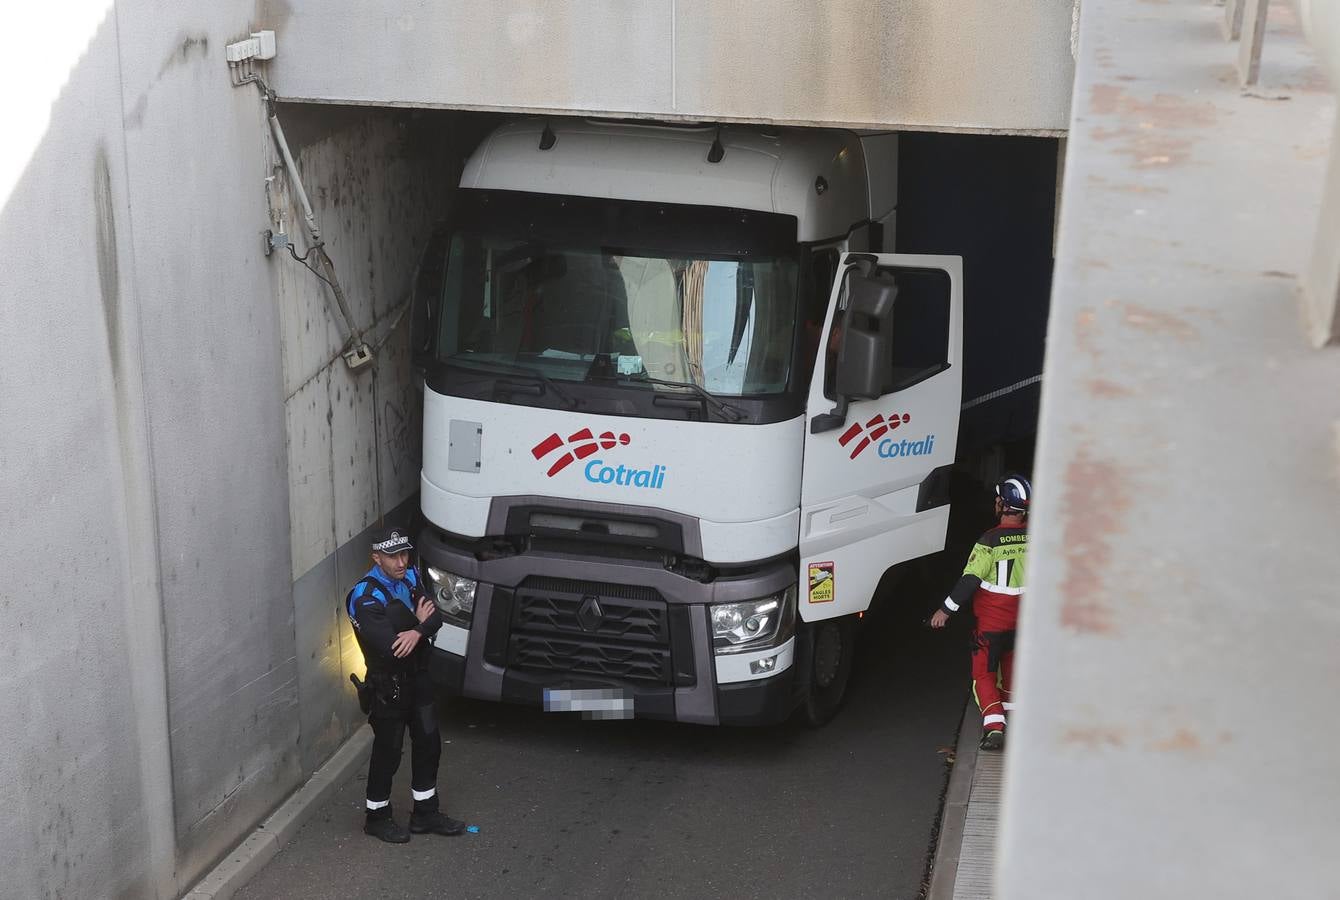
(427, 819)
(993, 740)
(380, 825)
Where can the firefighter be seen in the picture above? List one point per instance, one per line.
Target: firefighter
(993, 582)
(394, 623)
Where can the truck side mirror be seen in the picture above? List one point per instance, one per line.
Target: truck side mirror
(865, 359)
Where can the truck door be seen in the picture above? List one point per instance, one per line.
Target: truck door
(881, 426)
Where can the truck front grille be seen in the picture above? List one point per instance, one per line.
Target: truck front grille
(601, 660)
(611, 631)
(616, 620)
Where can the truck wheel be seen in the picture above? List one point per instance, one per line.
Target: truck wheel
(831, 645)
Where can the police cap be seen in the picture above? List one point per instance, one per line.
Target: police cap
(390, 540)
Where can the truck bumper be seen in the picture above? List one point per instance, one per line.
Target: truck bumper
(448, 671)
(558, 623)
(765, 701)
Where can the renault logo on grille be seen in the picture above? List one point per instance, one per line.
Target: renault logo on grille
(589, 614)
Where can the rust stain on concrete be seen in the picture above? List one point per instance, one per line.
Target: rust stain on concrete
(1084, 325)
(1138, 189)
(1181, 741)
(1104, 98)
(1101, 387)
(1147, 147)
(1145, 123)
(1152, 152)
(1127, 187)
(1094, 737)
(1153, 321)
(1159, 111)
(1095, 502)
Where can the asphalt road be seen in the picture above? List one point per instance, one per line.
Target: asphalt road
(570, 808)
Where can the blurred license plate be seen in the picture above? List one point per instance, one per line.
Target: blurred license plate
(599, 703)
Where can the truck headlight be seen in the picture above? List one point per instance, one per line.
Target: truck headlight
(753, 624)
(454, 595)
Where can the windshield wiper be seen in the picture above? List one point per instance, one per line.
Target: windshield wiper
(525, 371)
(724, 409)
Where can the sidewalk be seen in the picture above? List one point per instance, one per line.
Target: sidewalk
(965, 855)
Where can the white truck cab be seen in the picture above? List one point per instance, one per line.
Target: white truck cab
(680, 416)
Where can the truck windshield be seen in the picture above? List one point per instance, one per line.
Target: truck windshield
(581, 312)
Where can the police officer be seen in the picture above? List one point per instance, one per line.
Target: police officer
(394, 623)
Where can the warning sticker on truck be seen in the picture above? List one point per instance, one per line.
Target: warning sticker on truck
(821, 582)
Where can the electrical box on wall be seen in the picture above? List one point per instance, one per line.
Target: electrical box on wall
(261, 45)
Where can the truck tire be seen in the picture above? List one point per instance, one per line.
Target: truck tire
(828, 648)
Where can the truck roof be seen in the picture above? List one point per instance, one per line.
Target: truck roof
(818, 176)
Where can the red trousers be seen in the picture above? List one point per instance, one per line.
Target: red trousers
(997, 613)
(992, 670)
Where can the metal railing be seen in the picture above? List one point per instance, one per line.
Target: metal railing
(1245, 21)
(1321, 281)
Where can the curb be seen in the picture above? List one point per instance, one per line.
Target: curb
(257, 849)
(944, 871)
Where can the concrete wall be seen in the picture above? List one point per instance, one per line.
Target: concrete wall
(168, 401)
(1177, 664)
(84, 725)
(377, 180)
(925, 64)
(195, 152)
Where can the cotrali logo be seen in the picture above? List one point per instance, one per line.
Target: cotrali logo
(871, 431)
(579, 445)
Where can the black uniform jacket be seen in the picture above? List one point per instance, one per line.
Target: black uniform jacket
(380, 609)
